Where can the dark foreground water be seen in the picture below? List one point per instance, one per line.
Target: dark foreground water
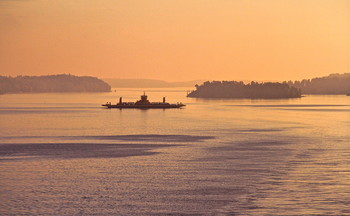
(61, 154)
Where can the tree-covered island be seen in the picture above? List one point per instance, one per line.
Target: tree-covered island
(332, 84)
(253, 90)
(52, 83)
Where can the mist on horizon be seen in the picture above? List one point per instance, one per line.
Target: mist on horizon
(176, 40)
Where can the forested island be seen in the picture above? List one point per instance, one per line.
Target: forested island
(52, 83)
(253, 90)
(332, 84)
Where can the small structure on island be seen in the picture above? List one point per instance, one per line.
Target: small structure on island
(143, 103)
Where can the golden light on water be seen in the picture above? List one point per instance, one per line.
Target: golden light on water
(64, 154)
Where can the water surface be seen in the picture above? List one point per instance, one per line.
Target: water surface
(63, 154)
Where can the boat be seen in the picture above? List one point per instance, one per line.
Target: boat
(143, 103)
(348, 94)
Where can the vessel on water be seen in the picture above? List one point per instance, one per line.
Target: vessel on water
(143, 103)
(348, 94)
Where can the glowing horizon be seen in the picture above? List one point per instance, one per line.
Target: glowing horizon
(176, 40)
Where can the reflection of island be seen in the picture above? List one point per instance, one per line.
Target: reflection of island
(52, 83)
(253, 90)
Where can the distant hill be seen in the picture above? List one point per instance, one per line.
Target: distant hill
(253, 90)
(52, 83)
(148, 83)
(332, 84)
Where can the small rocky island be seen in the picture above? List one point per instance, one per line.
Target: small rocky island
(52, 83)
(253, 90)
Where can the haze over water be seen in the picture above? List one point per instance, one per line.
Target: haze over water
(63, 154)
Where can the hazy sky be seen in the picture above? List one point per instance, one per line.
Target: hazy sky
(176, 39)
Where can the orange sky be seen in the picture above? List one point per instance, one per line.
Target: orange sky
(176, 40)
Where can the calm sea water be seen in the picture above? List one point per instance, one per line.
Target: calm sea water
(63, 154)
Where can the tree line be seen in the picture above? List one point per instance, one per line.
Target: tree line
(253, 90)
(52, 83)
(332, 84)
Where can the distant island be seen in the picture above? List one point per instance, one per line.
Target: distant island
(52, 83)
(148, 83)
(253, 90)
(332, 84)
